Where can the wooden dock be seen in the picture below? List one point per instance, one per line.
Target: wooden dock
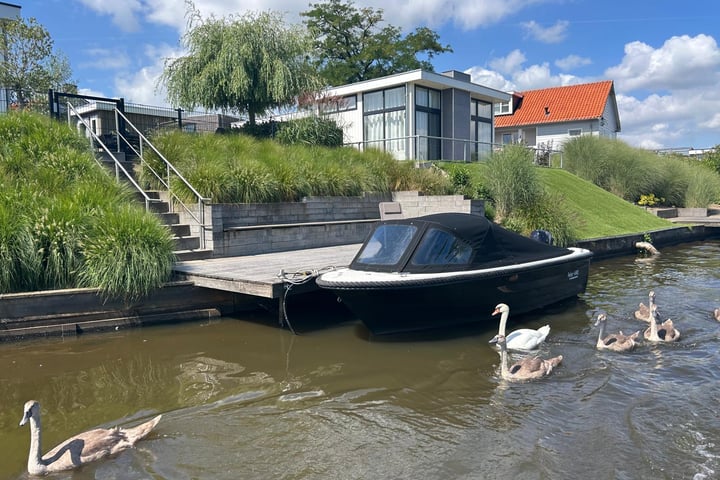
(264, 275)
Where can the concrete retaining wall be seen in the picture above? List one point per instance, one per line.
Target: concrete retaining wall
(255, 228)
(625, 244)
(78, 310)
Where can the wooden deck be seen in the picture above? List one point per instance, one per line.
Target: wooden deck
(260, 275)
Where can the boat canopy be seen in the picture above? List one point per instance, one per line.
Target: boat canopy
(445, 242)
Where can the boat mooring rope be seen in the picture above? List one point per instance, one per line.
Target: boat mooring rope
(300, 277)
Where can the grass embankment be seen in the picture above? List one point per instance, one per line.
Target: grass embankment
(66, 223)
(599, 213)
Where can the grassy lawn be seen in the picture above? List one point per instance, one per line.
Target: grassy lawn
(602, 214)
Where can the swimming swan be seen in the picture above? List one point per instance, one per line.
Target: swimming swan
(665, 332)
(643, 311)
(617, 342)
(522, 338)
(716, 314)
(528, 368)
(80, 449)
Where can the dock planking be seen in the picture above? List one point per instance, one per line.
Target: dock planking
(259, 275)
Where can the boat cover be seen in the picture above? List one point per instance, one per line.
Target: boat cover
(444, 242)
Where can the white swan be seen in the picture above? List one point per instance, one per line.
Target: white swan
(80, 449)
(716, 314)
(665, 332)
(522, 338)
(643, 311)
(528, 368)
(617, 342)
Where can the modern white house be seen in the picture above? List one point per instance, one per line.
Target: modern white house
(417, 115)
(550, 116)
(8, 11)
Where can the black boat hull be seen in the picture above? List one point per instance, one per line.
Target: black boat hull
(431, 303)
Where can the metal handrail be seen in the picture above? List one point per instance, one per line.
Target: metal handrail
(118, 166)
(170, 169)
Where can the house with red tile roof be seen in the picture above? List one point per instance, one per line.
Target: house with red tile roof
(550, 116)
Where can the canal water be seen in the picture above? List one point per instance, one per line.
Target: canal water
(243, 399)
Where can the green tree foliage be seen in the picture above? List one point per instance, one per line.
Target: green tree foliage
(242, 64)
(28, 62)
(711, 159)
(351, 45)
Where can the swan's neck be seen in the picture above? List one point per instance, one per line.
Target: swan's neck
(504, 372)
(653, 328)
(35, 464)
(503, 323)
(601, 333)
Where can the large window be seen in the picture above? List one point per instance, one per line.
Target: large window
(481, 127)
(384, 121)
(427, 123)
(342, 104)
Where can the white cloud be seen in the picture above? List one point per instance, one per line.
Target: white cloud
(572, 61)
(553, 34)
(683, 62)
(508, 74)
(512, 62)
(490, 78)
(408, 14)
(124, 13)
(142, 86)
(105, 59)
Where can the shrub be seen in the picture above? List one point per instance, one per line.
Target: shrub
(314, 130)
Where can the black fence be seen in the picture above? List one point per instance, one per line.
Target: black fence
(99, 113)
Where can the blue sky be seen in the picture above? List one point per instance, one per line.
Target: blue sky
(662, 55)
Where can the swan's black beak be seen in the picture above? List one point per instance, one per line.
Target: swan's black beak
(494, 339)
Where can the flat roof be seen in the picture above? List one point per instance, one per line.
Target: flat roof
(424, 78)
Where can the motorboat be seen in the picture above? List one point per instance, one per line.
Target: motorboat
(449, 269)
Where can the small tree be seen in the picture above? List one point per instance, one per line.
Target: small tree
(242, 64)
(28, 63)
(351, 46)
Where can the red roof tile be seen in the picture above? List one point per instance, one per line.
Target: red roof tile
(558, 104)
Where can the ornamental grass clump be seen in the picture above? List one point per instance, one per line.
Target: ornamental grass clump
(127, 255)
(512, 180)
(236, 168)
(54, 204)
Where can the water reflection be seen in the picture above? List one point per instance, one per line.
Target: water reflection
(242, 399)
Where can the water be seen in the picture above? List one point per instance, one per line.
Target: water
(243, 399)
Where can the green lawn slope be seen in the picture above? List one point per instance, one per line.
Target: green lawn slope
(601, 213)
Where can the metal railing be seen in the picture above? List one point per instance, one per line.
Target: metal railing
(166, 180)
(118, 166)
(169, 173)
(426, 148)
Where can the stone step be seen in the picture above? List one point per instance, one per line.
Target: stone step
(198, 254)
(180, 230)
(159, 206)
(169, 218)
(187, 243)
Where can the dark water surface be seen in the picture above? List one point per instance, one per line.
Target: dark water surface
(242, 399)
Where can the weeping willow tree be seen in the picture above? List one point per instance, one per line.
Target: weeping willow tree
(241, 64)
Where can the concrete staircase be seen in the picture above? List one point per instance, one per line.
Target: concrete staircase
(187, 245)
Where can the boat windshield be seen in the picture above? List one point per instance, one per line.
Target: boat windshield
(439, 247)
(387, 244)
